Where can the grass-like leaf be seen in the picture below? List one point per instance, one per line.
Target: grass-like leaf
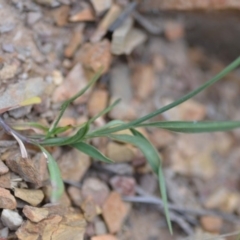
(69, 101)
(194, 127)
(132, 124)
(55, 176)
(91, 151)
(153, 158)
(28, 125)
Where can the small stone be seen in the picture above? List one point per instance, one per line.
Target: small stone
(73, 83)
(161, 138)
(60, 15)
(3, 168)
(120, 152)
(73, 165)
(89, 209)
(7, 200)
(84, 15)
(75, 195)
(75, 42)
(4, 233)
(34, 197)
(143, 81)
(31, 170)
(101, 5)
(97, 102)
(95, 56)
(187, 111)
(9, 71)
(119, 37)
(7, 47)
(104, 237)
(35, 214)
(123, 185)
(33, 17)
(106, 22)
(173, 30)
(96, 190)
(114, 212)
(100, 227)
(211, 224)
(57, 77)
(11, 219)
(5, 180)
(8, 27)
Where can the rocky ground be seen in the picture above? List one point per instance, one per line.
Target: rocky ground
(151, 54)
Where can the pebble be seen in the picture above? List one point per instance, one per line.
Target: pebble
(143, 80)
(101, 5)
(60, 15)
(85, 15)
(31, 196)
(3, 168)
(35, 214)
(96, 190)
(104, 237)
(211, 224)
(4, 233)
(73, 165)
(33, 17)
(7, 200)
(100, 227)
(7, 28)
(95, 56)
(120, 152)
(115, 212)
(73, 83)
(173, 30)
(97, 102)
(11, 219)
(75, 195)
(8, 47)
(123, 185)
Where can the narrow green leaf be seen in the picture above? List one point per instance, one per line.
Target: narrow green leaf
(28, 125)
(164, 198)
(59, 130)
(194, 127)
(69, 101)
(91, 151)
(216, 78)
(63, 141)
(55, 176)
(154, 160)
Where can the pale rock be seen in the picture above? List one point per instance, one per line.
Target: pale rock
(85, 14)
(134, 38)
(211, 224)
(5, 180)
(161, 138)
(8, 71)
(173, 30)
(187, 111)
(75, 41)
(115, 212)
(104, 237)
(31, 196)
(3, 168)
(35, 214)
(97, 102)
(100, 227)
(123, 185)
(57, 77)
(4, 233)
(120, 152)
(18, 92)
(101, 5)
(33, 17)
(120, 35)
(73, 165)
(11, 219)
(96, 190)
(60, 15)
(106, 22)
(7, 200)
(73, 83)
(94, 56)
(143, 81)
(75, 195)
(89, 208)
